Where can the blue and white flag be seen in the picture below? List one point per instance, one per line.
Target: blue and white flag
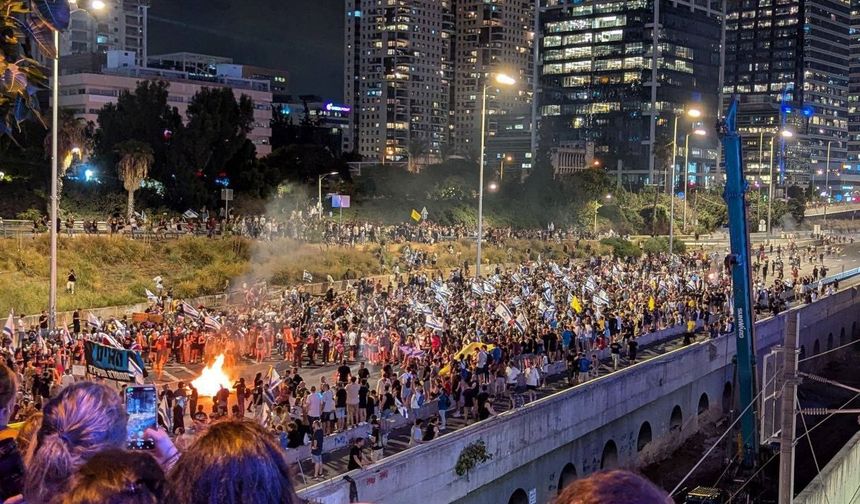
(601, 298)
(9, 327)
(568, 283)
(556, 270)
(521, 323)
(489, 288)
(547, 294)
(517, 301)
(307, 277)
(93, 321)
(441, 299)
(495, 280)
(590, 285)
(434, 323)
(271, 382)
(504, 313)
(477, 289)
(152, 298)
(210, 322)
(189, 310)
(517, 278)
(525, 290)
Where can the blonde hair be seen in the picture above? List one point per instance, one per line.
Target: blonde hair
(83, 419)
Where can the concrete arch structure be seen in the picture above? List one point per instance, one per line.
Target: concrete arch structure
(609, 458)
(645, 436)
(704, 404)
(676, 420)
(567, 476)
(519, 497)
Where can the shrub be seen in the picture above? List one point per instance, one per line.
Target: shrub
(622, 248)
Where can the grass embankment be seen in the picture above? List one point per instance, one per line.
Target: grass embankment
(116, 271)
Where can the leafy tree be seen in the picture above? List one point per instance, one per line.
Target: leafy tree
(141, 115)
(74, 138)
(135, 159)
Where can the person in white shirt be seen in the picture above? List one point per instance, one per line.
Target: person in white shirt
(313, 405)
(329, 420)
(512, 373)
(416, 434)
(532, 381)
(67, 379)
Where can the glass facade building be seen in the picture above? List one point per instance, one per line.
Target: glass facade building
(596, 83)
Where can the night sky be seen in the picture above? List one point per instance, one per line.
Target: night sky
(304, 37)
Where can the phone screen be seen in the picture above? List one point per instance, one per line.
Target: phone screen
(141, 404)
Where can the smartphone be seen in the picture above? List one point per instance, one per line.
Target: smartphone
(141, 404)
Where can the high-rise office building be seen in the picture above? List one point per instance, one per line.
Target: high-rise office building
(120, 26)
(414, 72)
(491, 36)
(397, 77)
(596, 84)
(788, 61)
(854, 85)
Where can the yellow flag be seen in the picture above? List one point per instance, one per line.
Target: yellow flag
(576, 304)
(651, 303)
(415, 215)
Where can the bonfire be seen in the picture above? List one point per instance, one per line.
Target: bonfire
(212, 378)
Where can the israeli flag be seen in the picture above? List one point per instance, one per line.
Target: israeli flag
(152, 298)
(93, 321)
(547, 294)
(568, 283)
(521, 323)
(517, 301)
(556, 270)
(525, 290)
(590, 285)
(477, 289)
(504, 313)
(517, 278)
(489, 288)
(189, 310)
(495, 280)
(307, 277)
(433, 323)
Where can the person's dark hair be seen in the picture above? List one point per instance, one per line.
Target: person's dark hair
(8, 393)
(82, 420)
(612, 487)
(27, 434)
(234, 462)
(115, 476)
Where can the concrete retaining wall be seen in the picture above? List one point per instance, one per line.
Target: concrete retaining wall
(596, 425)
(839, 480)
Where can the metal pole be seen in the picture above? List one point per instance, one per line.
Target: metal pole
(655, 56)
(686, 176)
(760, 152)
(319, 190)
(672, 190)
(770, 191)
(55, 106)
(502, 169)
(674, 155)
(535, 81)
(786, 435)
(481, 181)
(827, 181)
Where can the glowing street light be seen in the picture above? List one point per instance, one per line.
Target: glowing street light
(505, 80)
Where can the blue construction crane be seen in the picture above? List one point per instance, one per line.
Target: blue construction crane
(738, 262)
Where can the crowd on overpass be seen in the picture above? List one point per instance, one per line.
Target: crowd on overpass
(459, 341)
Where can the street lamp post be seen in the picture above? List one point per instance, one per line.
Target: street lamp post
(694, 113)
(784, 134)
(507, 81)
(507, 158)
(827, 181)
(319, 189)
(55, 171)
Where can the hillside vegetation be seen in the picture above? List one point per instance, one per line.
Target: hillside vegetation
(116, 271)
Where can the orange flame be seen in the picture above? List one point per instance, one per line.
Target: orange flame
(211, 378)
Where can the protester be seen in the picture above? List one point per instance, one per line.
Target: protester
(613, 487)
(82, 420)
(116, 476)
(233, 462)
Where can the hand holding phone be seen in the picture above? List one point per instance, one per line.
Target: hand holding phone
(141, 404)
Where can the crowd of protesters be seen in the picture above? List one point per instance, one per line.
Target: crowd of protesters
(464, 343)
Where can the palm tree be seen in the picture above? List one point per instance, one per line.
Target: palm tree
(135, 159)
(73, 140)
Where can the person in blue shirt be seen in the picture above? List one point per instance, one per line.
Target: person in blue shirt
(584, 366)
(444, 404)
(566, 336)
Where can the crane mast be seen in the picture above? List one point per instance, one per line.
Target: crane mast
(738, 262)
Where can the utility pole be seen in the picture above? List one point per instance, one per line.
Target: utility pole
(789, 393)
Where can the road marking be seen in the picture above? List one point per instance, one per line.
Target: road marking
(172, 378)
